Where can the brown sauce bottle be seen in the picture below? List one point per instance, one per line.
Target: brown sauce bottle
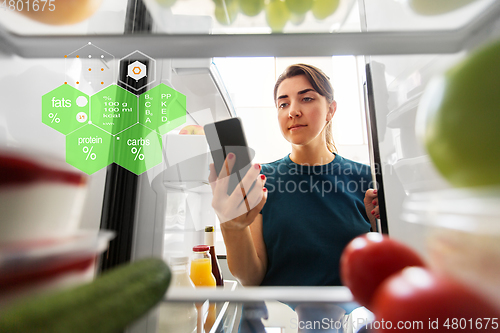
(210, 241)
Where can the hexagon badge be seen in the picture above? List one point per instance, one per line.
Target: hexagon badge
(114, 109)
(162, 109)
(138, 149)
(89, 149)
(90, 68)
(140, 69)
(65, 109)
(137, 70)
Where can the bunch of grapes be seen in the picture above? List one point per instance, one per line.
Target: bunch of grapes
(278, 12)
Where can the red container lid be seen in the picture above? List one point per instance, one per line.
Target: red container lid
(201, 248)
(17, 170)
(24, 264)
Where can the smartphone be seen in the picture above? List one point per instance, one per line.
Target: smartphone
(226, 137)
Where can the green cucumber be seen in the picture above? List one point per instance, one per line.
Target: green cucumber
(106, 305)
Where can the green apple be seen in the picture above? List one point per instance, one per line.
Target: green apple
(299, 6)
(436, 7)
(251, 7)
(321, 9)
(459, 117)
(226, 15)
(277, 15)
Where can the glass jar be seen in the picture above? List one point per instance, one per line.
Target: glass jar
(201, 275)
(201, 267)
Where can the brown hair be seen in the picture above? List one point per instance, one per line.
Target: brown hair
(320, 82)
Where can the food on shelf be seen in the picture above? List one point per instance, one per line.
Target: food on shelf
(251, 7)
(321, 9)
(371, 258)
(277, 15)
(422, 301)
(226, 14)
(40, 196)
(108, 304)
(299, 6)
(277, 12)
(459, 120)
(60, 12)
(43, 265)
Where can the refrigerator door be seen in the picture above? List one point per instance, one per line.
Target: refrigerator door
(395, 85)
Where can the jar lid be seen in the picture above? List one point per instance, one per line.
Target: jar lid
(201, 248)
(209, 228)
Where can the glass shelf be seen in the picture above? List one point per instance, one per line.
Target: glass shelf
(228, 17)
(183, 17)
(177, 33)
(421, 15)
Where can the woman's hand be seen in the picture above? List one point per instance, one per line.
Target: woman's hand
(372, 209)
(238, 210)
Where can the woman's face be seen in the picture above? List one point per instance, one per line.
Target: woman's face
(302, 112)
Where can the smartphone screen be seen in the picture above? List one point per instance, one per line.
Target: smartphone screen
(226, 137)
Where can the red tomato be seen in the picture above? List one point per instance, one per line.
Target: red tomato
(418, 300)
(369, 259)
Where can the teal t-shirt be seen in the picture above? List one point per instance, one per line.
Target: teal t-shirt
(310, 215)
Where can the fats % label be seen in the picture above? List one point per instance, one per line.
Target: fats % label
(54, 118)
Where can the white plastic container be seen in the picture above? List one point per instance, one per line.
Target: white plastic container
(462, 236)
(40, 197)
(30, 268)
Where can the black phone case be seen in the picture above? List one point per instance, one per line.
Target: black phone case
(226, 137)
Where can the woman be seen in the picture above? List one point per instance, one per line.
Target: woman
(291, 219)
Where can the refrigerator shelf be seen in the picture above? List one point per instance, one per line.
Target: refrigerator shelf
(256, 294)
(196, 45)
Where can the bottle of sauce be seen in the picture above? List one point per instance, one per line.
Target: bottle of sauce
(178, 317)
(201, 275)
(210, 241)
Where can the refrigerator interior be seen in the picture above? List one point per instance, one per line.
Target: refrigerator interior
(399, 50)
(397, 85)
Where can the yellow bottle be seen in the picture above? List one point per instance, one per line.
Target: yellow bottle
(201, 267)
(201, 275)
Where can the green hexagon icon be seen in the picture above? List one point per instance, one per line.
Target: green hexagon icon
(65, 109)
(138, 149)
(162, 109)
(114, 109)
(89, 149)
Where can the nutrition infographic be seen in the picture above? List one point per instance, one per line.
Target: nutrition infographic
(120, 123)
